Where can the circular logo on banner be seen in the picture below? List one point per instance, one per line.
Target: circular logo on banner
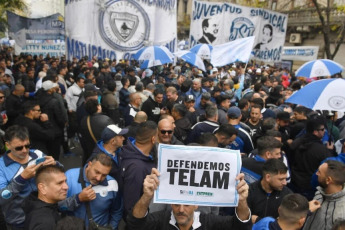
(241, 27)
(337, 102)
(124, 25)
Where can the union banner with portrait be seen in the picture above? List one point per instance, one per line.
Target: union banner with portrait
(217, 23)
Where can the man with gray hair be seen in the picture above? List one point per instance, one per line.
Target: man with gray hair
(207, 126)
(196, 91)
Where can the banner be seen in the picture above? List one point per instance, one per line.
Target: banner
(300, 53)
(56, 50)
(47, 28)
(218, 23)
(197, 175)
(235, 51)
(116, 29)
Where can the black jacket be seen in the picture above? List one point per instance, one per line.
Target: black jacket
(307, 153)
(51, 106)
(98, 122)
(135, 166)
(182, 129)
(40, 215)
(161, 221)
(152, 109)
(13, 108)
(263, 204)
(39, 132)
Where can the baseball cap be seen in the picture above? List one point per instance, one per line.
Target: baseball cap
(90, 87)
(47, 85)
(111, 131)
(189, 98)
(234, 112)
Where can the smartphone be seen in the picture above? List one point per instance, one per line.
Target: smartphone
(40, 160)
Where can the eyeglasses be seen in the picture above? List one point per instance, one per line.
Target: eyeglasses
(323, 129)
(166, 131)
(20, 148)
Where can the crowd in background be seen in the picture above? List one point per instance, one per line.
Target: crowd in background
(119, 113)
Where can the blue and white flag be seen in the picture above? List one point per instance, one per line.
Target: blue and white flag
(235, 51)
(216, 23)
(117, 29)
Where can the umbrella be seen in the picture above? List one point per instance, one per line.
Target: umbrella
(319, 68)
(326, 94)
(153, 56)
(202, 50)
(191, 58)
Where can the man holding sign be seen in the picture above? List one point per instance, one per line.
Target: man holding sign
(184, 216)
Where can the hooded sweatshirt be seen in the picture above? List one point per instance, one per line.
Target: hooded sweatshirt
(135, 166)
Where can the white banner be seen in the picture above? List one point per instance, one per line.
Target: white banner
(197, 175)
(116, 29)
(235, 51)
(300, 53)
(218, 23)
(56, 50)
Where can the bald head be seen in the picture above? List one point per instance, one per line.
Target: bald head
(140, 117)
(165, 131)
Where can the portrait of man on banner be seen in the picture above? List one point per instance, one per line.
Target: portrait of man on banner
(210, 30)
(265, 37)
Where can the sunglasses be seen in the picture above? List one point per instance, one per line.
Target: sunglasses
(20, 148)
(166, 131)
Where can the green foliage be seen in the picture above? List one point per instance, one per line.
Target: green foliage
(9, 5)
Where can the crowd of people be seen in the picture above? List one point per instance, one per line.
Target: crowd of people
(292, 174)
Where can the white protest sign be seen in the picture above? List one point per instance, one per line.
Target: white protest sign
(300, 53)
(197, 175)
(56, 50)
(217, 23)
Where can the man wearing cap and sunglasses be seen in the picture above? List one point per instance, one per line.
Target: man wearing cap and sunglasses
(17, 170)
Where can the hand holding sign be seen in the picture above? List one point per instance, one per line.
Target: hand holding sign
(151, 183)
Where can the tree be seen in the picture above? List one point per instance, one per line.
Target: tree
(326, 25)
(9, 5)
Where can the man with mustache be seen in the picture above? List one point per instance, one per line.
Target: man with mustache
(184, 217)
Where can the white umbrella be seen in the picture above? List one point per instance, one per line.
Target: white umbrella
(191, 58)
(326, 94)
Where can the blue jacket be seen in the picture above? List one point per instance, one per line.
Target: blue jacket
(267, 223)
(106, 209)
(243, 141)
(200, 128)
(197, 97)
(252, 168)
(14, 188)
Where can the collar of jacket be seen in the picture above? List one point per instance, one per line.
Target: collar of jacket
(196, 220)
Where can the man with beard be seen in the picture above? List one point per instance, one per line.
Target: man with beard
(210, 29)
(266, 195)
(255, 121)
(331, 195)
(186, 216)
